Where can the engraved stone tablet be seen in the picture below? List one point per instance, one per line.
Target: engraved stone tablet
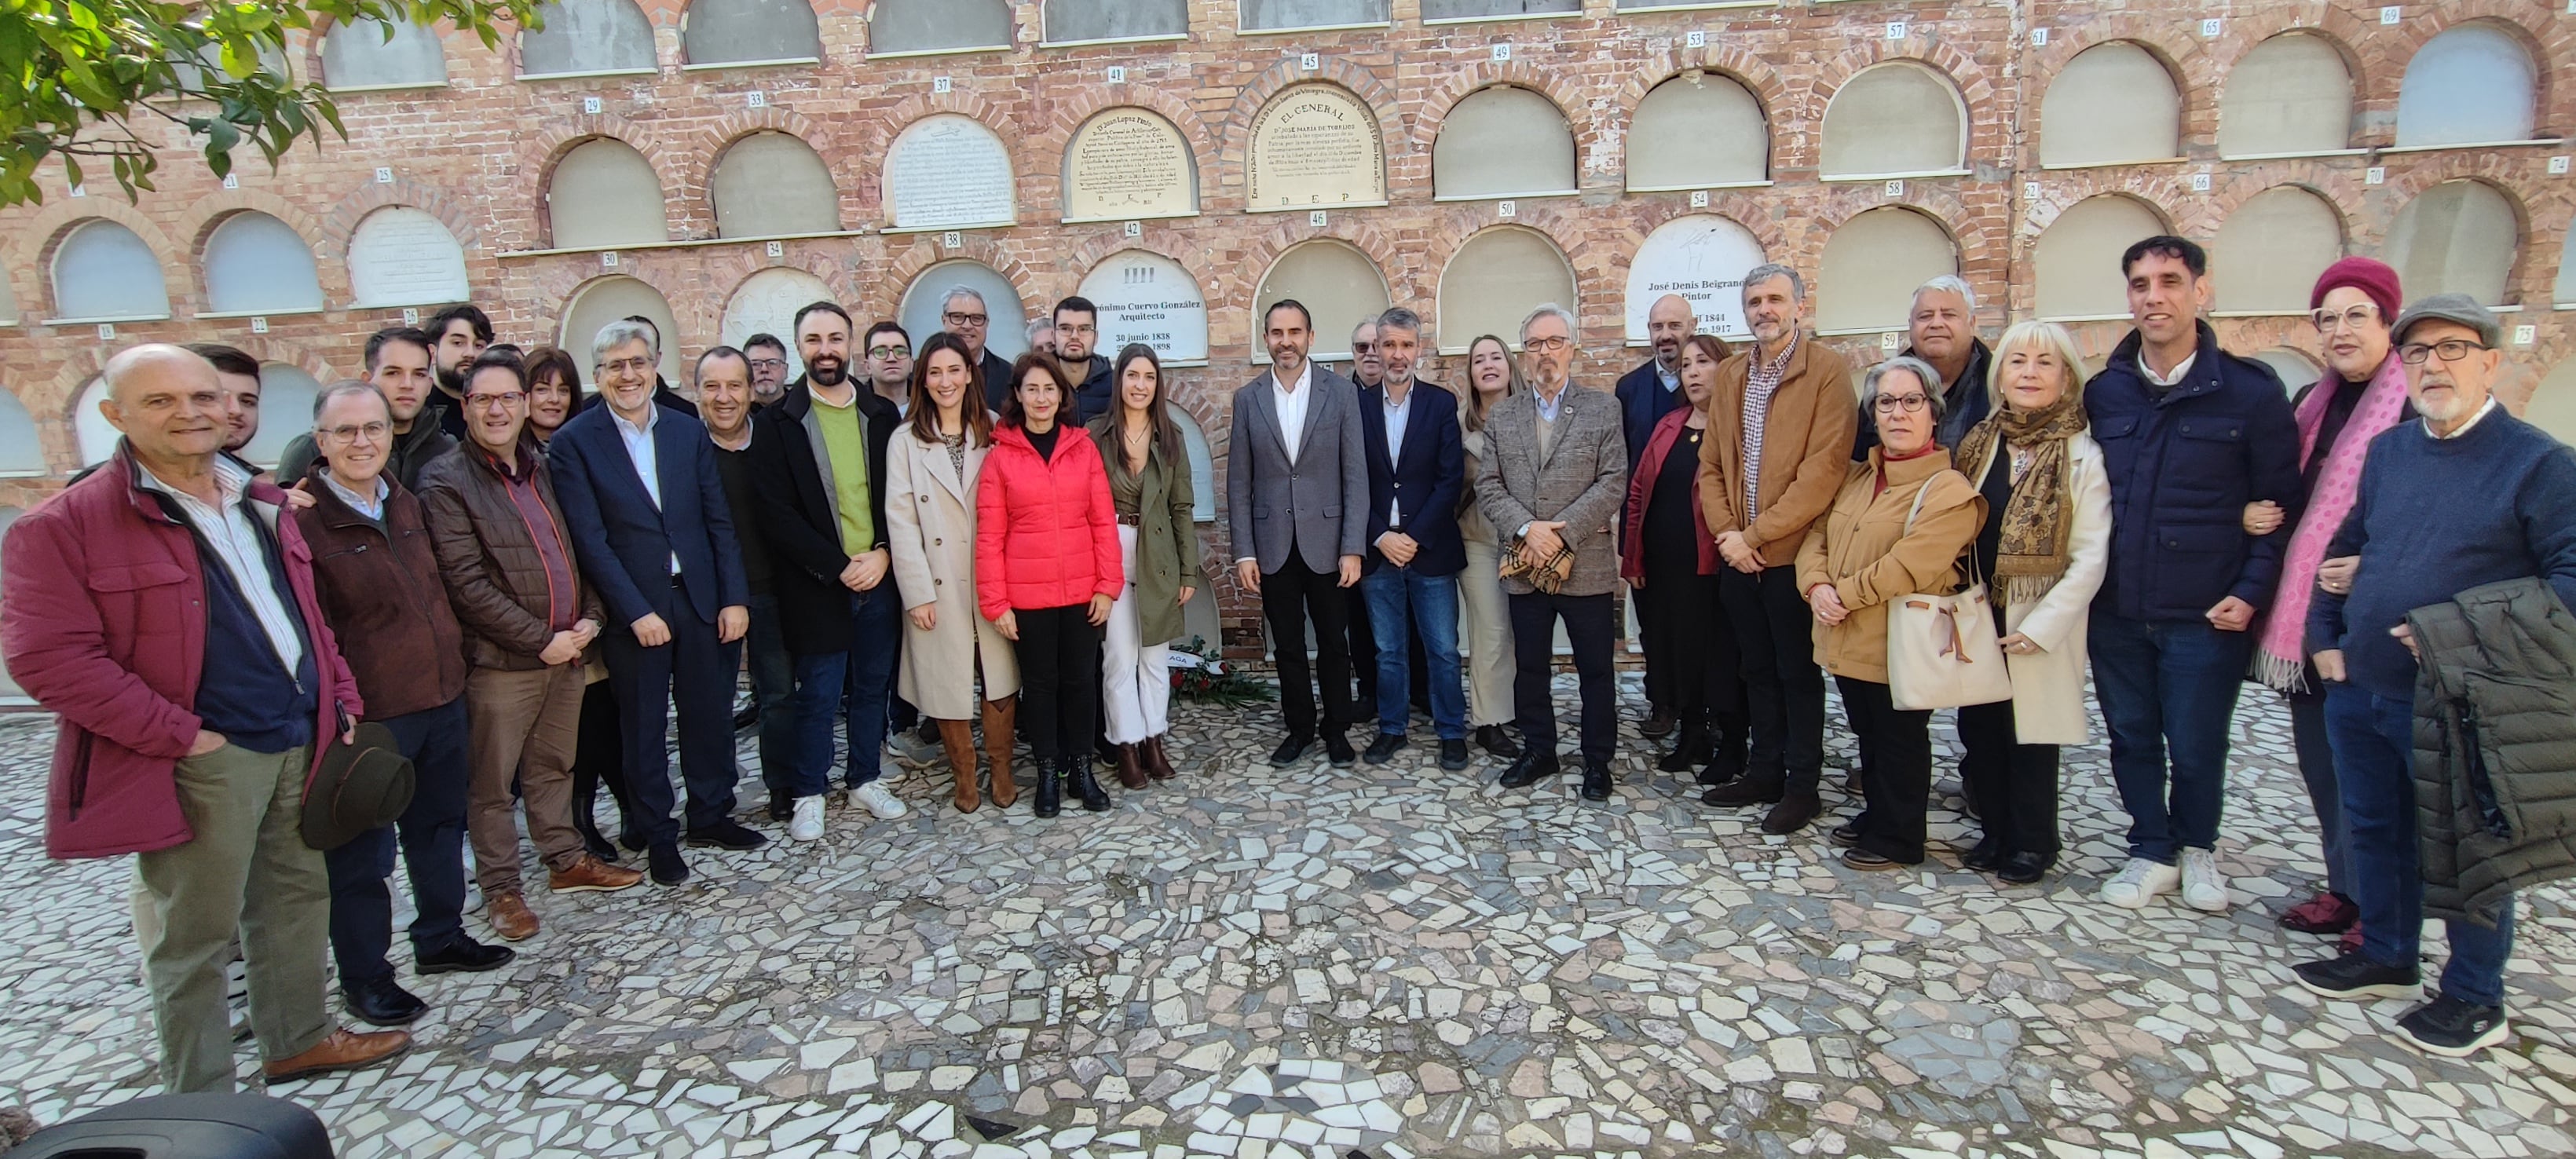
(402, 256)
(1128, 163)
(1703, 258)
(767, 303)
(1315, 145)
(946, 172)
(1148, 298)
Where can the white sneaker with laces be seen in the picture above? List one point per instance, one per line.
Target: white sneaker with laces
(2203, 887)
(879, 801)
(2139, 882)
(807, 824)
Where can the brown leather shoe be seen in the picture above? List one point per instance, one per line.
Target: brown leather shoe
(589, 875)
(1158, 764)
(509, 917)
(957, 737)
(343, 1050)
(1000, 718)
(1130, 773)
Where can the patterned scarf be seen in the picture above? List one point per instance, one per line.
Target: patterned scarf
(2281, 658)
(2037, 519)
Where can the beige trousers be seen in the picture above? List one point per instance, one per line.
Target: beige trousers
(523, 725)
(1485, 634)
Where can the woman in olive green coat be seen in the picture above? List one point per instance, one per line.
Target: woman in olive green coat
(1149, 481)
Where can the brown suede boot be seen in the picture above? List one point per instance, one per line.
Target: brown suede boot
(1158, 764)
(1130, 773)
(1001, 719)
(958, 737)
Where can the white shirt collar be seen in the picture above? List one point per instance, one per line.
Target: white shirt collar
(371, 506)
(652, 416)
(2174, 379)
(2474, 420)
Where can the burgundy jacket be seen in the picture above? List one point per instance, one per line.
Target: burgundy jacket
(1641, 488)
(380, 589)
(105, 625)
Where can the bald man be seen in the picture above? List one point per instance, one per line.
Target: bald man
(164, 611)
(1646, 394)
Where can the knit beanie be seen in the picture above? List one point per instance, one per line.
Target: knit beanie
(2368, 275)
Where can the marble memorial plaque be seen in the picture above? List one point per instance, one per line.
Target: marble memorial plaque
(1701, 257)
(1148, 298)
(1128, 163)
(1315, 146)
(402, 256)
(947, 172)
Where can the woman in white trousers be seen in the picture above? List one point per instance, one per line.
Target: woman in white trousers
(1149, 484)
(1484, 617)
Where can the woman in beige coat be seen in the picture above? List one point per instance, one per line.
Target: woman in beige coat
(1484, 615)
(2046, 541)
(932, 464)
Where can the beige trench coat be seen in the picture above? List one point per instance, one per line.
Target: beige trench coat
(930, 531)
(2048, 685)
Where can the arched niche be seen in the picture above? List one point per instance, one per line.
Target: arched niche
(1895, 119)
(90, 430)
(2563, 292)
(1873, 265)
(2459, 237)
(375, 54)
(1006, 332)
(2474, 84)
(740, 32)
(767, 302)
(769, 184)
(1339, 286)
(190, 73)
(1202, 462)
(103, 272)
(2077, 261)
(402, 256)
(2268, 254)
(1129, 163)
(1110, 21)
(21, 455)
(1459, 11)
(2553, 403)
(605, 194)
(1146, 297)
(1314, 146)
(2114, 103)
(1698, 130)
(2293, 94)
(1495, 280)
(1286, 15)
(905, 27)
(605, 300)
(1503, 141)
(588, 38)
(1703, 258)
(2296, 370)
(949, 171)
(286, 395)
(256, 264)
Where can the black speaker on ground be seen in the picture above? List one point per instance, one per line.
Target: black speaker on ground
(186, 1127)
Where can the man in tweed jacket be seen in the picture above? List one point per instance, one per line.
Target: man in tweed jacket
(1553, 480)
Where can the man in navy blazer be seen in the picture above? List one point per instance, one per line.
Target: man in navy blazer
(652, 530)
(1645, 395)
(1417, 466)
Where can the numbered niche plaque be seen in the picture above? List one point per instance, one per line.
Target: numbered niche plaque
(1703, 258)
(1148, 298)
(401, 256)
(1315, 146)
(1129, 163)
(948, 172)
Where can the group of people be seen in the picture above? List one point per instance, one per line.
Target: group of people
(521, 581)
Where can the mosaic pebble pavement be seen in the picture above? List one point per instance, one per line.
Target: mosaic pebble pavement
(1390, 962)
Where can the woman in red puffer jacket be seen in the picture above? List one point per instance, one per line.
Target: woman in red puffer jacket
(1046, 571)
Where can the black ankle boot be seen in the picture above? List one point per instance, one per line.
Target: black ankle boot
(1085, 786)
(1691, 748)
(1050, 788)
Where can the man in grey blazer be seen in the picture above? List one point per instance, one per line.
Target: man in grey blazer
(1296, 492)
(1553, 477)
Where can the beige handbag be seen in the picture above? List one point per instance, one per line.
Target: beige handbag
(1942, 651)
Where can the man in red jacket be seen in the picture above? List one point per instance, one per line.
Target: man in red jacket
(166, 613)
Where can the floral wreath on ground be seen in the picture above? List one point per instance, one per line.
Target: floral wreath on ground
(1198, 674)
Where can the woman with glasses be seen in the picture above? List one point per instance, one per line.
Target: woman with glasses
(1898, 527)
(1484, 615)
(1670, 562)
(2045, 543)
(1149, 486)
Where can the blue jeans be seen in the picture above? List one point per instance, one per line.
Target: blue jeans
(2168, 687)
(2374, 749)
(856, 683)
(773, 689)
(431, 833)
(1403, 601)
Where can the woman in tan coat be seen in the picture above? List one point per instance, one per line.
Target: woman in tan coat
(1484, 615)
(1149, 484)
(1872, 548)
(932, 464)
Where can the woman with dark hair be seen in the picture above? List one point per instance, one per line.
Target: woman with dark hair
(1669, 559)
(1047, 572)
(554, 390)
(1485, 617)
(933, 464)
(1149, 486)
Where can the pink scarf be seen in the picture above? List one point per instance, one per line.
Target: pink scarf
(2283, 662)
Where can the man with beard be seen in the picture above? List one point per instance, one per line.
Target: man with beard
(963, 314)
(457, 337)
(398, 363)
(768, 358)
(239, 372)
(1645, 395)
(1942, 328)
(1077, 335)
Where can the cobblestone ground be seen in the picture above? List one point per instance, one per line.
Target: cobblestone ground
(1392, 962)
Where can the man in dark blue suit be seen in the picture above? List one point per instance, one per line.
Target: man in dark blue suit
(650, 525)
(1645, 395)
(1417, 466)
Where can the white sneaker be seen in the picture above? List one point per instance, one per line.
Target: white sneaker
(2139, 882)
(879, 801)
(2203, 887)
(807, 824)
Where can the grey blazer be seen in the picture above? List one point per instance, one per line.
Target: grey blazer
(1582, 482)
(1317, 502)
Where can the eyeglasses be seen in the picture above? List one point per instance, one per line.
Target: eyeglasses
(1362, 347)
(769, 364)
(2355, 318)
(1085, 328)
(507, 400)
(1547, 345)
(2451, 350)
(1889, 404)
(889, 351)
(375, 432)
(627, 366)
(956, 319)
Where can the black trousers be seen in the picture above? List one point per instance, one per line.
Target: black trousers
(1693, 667)
(599, 758)
(695, 673)
(431, 834)
(1895, 769)
(1783, 688)
(2013, 785)
(1289, 597)
(1059, 654)
(1590, 629)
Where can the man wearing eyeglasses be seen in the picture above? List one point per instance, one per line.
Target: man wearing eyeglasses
(2466, 497)
(2190, 435)
(768, 358)
(963, 314)
(1077, 356)
(398, 363)
(887, 353)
